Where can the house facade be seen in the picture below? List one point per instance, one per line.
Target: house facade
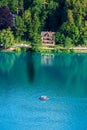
(47, 38)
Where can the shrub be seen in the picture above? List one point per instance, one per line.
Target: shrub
(68, 42)
(18, 49)
(59, 38)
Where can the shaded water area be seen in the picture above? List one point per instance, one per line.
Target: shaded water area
(24, 77)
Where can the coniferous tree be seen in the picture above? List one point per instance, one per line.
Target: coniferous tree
(20, 7)
(3, 3)
(19, 28)
(13, 6)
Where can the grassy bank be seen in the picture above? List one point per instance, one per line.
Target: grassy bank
(24, 47)
(60, 49)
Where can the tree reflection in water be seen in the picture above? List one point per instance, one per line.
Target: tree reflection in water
(69, 72)
(30, 68)
(6, 62)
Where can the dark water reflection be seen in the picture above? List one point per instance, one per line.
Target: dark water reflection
(30, 67)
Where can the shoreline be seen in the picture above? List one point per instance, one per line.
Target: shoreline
(25, 47)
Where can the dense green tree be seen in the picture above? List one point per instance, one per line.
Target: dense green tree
(20, 7)
(35, 29)
(68, 18)
(73, 23)
(68, 42)
(60, 38)
(27, 4)
(28, 22)
(6, 38)
(45, 3)
(52, 15)
(19, 28)
(32, 19)
(13, 5)
(3, 3)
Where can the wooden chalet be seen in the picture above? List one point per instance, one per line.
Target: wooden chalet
(47, 38)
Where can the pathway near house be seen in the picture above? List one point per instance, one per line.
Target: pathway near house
(22, 45)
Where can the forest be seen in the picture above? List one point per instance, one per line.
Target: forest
(68, 18)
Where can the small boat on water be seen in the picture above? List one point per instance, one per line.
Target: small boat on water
(43, 98)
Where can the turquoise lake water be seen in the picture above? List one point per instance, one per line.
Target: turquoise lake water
(24, 77)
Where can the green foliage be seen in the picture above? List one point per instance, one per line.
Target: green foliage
(83, 37)
(68, 42)
(18, 49)
(20, 7)
(32, 23)
(68, 18)
(13, 5)
(3, 3)
(19, 28)
(60, 38)
(6, 38)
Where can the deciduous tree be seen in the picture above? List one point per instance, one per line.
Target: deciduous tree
(6, 18)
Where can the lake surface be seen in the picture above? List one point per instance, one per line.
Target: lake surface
(24, 77)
